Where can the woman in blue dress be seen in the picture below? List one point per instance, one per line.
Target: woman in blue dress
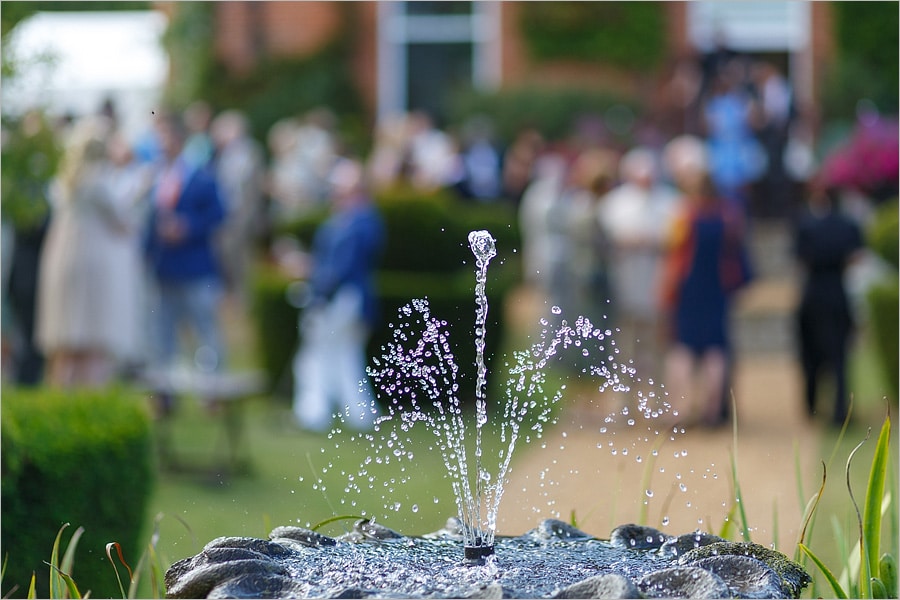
(705, 264)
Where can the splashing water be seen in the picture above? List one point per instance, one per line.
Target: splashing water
(417, 381)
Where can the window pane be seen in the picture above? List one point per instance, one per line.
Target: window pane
(436, 72)
(438, 8)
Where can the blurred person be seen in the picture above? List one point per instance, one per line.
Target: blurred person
(714, 61)
(705, 265)
(826, 243)
(185, 213)
(636, 217)
(590, 179)
(518, 163)
(540, 246)
(129, 182)
(431, 155)
(335, 324)
(303, 152)
(774, 115)
(680, 94)
(316, 150)
(240, 175)
(736, 158)
(479, 161)
(198, 147)
(284, 182)
(389, 148)
(87, 317)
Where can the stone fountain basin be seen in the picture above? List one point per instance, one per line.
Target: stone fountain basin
(554, 560)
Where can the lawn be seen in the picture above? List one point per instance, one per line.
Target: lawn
(293, 477)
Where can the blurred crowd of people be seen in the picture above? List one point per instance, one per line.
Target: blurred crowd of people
(149, 236)
(144, 238)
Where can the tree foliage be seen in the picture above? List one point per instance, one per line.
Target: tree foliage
(866, 66)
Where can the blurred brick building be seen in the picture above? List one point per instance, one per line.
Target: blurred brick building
(408, 54)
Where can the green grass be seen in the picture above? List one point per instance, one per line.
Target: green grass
(294, 478)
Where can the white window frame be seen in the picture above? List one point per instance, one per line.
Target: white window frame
(396, 30)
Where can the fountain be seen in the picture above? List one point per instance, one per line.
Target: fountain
(417, 379)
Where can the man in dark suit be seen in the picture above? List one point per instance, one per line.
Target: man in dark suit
(826, 242)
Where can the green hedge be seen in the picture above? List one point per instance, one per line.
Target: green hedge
(276, 325)
(426, 232)
(554, 112)
(84, 458)
(630, 35)
(884, 306)
(427, 255)
(883, 238)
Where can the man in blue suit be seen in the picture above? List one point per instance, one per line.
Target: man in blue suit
(337, 322)
(185, 213)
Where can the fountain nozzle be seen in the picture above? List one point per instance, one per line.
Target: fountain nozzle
(475, 555)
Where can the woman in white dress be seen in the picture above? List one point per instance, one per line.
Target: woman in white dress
(87, 316)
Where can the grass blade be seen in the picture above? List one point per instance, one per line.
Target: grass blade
(812, 511)
(68, 560)
(829, 576)
(150, 560)
(118, 548)
(330, 520)
(887, 566)
(738, 496)
(71, 588)
(865, 590)
(156, 574)
(894, 517)
(56, 583)
(149, 556)
(874, 498)
(32, 587)
(798, 472)
(848, 558)
(726, 531)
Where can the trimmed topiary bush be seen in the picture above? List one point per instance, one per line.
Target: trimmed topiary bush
(79, 457)
(275, 320)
